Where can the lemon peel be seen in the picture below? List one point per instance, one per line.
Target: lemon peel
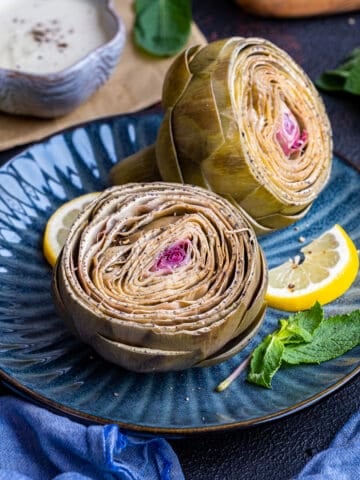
(59, 224)
(329, 268)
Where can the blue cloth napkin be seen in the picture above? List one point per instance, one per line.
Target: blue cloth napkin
(36, 444)
(341, 461)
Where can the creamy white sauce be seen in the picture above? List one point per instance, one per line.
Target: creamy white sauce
(47, 36)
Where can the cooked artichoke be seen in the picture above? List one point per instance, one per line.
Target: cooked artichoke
(244, 120)
(161, 276)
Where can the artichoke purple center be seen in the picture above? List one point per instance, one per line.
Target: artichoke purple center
(289, 135)
(172, 257)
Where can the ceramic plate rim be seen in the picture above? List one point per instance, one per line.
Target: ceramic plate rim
(171, 432)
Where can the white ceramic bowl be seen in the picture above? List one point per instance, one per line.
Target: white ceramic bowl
(54, 94)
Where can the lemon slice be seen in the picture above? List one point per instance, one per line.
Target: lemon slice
(58, 225)
(329, 267)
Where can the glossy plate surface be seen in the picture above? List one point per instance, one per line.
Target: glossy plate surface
(40, 359)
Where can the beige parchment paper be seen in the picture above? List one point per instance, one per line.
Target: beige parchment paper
(136, 83)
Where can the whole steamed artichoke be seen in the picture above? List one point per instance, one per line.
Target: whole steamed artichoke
(161, 276)
(241, 119)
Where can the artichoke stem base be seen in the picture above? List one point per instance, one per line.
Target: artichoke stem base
(139, 167)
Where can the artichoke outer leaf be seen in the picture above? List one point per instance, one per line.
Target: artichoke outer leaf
(192, 174)
(227, 171)
(143, 359)
(237, 344)
(169, 167)
(177, 77)
(278, 220)
(207, 57)
(197, 129)
(269, 204)
(258, 228)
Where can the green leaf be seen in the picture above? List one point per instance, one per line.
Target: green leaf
(331, 82)
(352, 84)
(298, 329)
(305, 337)
(266, 361)
(345, 78)
(354, 55)
(335, 336)
(301, 326)
(162, 27)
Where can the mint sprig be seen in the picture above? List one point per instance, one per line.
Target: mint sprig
(305, 337)
(345, 78)
(334, 336)
(162, 27)
(298, 329)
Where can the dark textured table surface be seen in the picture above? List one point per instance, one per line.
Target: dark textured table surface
(279, 449)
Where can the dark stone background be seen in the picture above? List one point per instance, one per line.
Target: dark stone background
(279, 449)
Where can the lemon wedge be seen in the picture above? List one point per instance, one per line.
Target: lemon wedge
(58, 225)
(324, 272)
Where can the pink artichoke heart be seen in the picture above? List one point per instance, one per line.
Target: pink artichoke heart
(289, 135)
(172, 257)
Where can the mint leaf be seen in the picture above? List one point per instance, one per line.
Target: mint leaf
(345, 78)
(331, 81)
(301, 326)
(266, 361)
(305, 337)
(352, 84)
(334, 337)
(298, 329)
(162, 27)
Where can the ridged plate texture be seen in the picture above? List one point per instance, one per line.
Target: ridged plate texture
(42, 360)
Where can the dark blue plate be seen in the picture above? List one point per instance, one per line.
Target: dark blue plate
(42, 360)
